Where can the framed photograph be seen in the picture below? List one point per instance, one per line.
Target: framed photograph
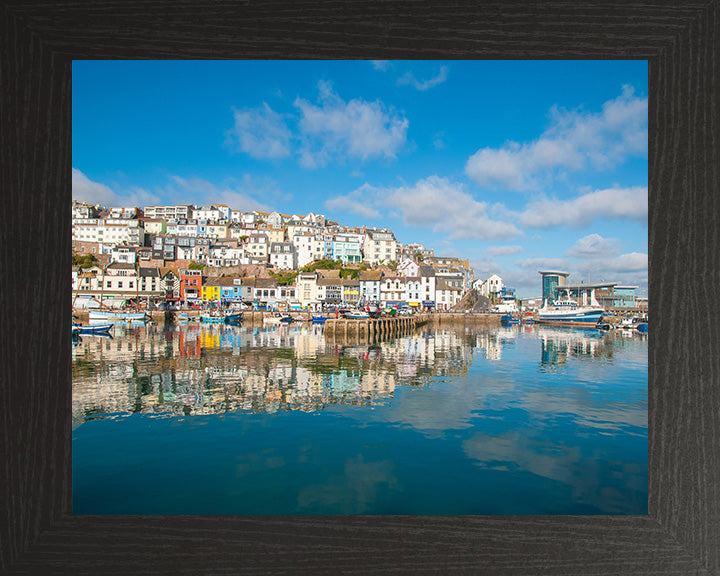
(335, 421)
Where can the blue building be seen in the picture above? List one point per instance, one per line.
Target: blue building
(230, 290)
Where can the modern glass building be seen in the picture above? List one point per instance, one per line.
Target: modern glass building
(551, 279)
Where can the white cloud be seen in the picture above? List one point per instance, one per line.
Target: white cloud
(356, 128)
(613, 203)
(543, 264)
(573, 141)
(594, 246)
(503, 250)
(356, 203)
(627, 269)
(433, 203)
(239, 196)
(633, 262)
(409, 79)
(261, 133)
(443, 206)
(86, 190)
(381, 65)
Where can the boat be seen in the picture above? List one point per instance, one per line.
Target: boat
(642, 327)
(357, 315)
(237, 317)
(95, 328)
(276, 319)
(509, 319)
(567, 312)
(318, 319)
(94, 314)
(212, 319)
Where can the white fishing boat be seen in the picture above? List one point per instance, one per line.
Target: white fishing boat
(95, 314)
(356, 315)
(567, 312)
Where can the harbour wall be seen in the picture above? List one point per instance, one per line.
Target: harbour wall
(381, 325)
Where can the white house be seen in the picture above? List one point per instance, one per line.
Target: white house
(427, 285)
(392, 290)
(124, 254)
(282, 255)
(492, 285)
(408, 267)
(369, 281)
(258, 246)
(379, 246)
(413, 291)
(446, 296)
(307, 290)
(304, 244)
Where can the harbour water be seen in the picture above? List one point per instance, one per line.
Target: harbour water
(216, 419)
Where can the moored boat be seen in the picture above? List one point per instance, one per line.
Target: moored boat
(318, 319)
(234, 317)
(566, 312)
(95, 328)
(508, 319)
(94, 314)
(356, 315)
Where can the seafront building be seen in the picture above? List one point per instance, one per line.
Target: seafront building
(213, 254)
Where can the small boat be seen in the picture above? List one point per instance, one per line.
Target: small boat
(212, 319)
(94, 314)
(317, 319)
(356, 315)
(286, 319)
(642, 327)
(234, 317)
(508, 319)
(95, 328)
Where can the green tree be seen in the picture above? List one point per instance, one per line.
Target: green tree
(196, 266)
(285, 278)
(84, 260)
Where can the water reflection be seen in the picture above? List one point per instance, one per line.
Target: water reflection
(209, 369)
(281, 419)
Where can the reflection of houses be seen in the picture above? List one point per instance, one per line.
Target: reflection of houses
(189, 344)
(200, 369)
(489, 342)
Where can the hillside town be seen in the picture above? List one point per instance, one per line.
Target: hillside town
(214, 255)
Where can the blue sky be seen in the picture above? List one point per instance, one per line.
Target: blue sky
(517, 166)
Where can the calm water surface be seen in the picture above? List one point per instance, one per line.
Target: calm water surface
(220, 419)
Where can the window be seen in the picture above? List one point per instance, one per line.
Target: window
(107, 284)
(119, 284)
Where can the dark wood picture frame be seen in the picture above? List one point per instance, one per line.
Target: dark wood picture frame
(681, 533)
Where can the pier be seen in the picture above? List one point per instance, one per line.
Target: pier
(373, 327)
